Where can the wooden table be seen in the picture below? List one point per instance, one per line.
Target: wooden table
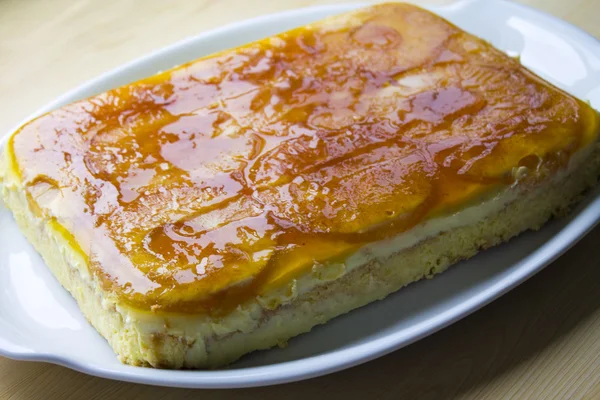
(542, 340)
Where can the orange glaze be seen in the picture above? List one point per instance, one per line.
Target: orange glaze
(201, 187)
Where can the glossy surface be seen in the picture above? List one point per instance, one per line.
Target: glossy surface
(198, 188)
(27, 331)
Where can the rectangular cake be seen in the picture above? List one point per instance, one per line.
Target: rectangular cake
(236, 201)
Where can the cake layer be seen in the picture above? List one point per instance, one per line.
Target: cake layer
(229, 178)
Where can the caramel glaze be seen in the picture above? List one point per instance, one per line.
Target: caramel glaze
(196, 189)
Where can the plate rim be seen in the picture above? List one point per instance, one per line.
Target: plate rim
(335, 360)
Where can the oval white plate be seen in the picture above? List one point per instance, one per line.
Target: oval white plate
(40, 321)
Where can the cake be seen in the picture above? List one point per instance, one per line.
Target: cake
(236, 201)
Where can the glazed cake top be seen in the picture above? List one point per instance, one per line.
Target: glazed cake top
(200, 187)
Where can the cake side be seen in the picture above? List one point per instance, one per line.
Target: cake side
(202, 341)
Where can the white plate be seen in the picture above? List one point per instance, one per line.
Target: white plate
(40, 321)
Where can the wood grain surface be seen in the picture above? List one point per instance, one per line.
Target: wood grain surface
(542, 340)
